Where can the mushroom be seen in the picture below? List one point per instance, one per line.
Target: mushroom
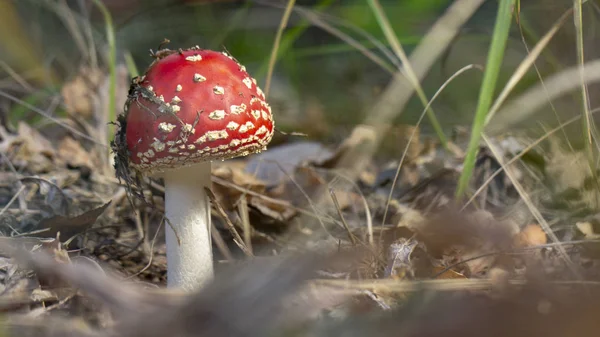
(189, 108)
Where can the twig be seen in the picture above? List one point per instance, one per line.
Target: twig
(339, 211)
(236, 236)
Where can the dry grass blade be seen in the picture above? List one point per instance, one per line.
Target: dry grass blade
(14, 75)
(318, 22)
(539, 75)
(398, 92)
(406, 67)
(525, 65)
(341, 215)
(407, 286)
(587, 121)
(437, 93)
(53, 119)
(62, 10)
(556, 85)
(520, 155)
(245, 219)
(151, 252)
(236, 236)
(273, 58)
(534, 211)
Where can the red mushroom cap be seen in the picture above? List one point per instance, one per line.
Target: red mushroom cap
(194, 105)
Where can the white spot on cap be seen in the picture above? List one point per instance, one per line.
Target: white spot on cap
(244, 128)
(234, 143)
(218, 90)
(216, 135)
(261, 130)
(161, 98)
(238, 109)
(166, 127)
(158, 145)
(150, 88)
(176, 100)
(217, 115)
(178, 88)
(242, 68)
(149, 153)
(232, 125)
(175, 108)
(265, 115)
(199, 78)
(248, 82)
(194, 58)
(260, 92)
(188, 128)
(255, 114)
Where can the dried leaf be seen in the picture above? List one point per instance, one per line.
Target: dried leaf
(79, 93)
(273, 165)
(70, 226)
(28, 149)
(71, 152)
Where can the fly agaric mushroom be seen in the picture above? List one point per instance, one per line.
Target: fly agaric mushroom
(189, 108)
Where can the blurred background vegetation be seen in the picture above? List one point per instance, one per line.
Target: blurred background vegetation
(321, 85)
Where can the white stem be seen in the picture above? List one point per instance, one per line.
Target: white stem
(189, 263)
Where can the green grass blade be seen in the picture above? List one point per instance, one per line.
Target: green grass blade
(130, 63)
(486, 93)
(290, 36)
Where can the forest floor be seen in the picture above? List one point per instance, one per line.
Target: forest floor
(81, 256)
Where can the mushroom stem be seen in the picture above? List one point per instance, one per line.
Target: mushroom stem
(189, 262)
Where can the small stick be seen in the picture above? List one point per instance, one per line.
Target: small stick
(236, 236)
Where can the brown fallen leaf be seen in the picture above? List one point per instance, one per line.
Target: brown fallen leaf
(226, 195)
(28, 149)
(70, 226)
(73, 154)
(80, 92)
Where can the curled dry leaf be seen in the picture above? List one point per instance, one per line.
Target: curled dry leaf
(275, 165)
(28, 149)
(73, 154)
(587, 229)
(70, 226)
(234, 174)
